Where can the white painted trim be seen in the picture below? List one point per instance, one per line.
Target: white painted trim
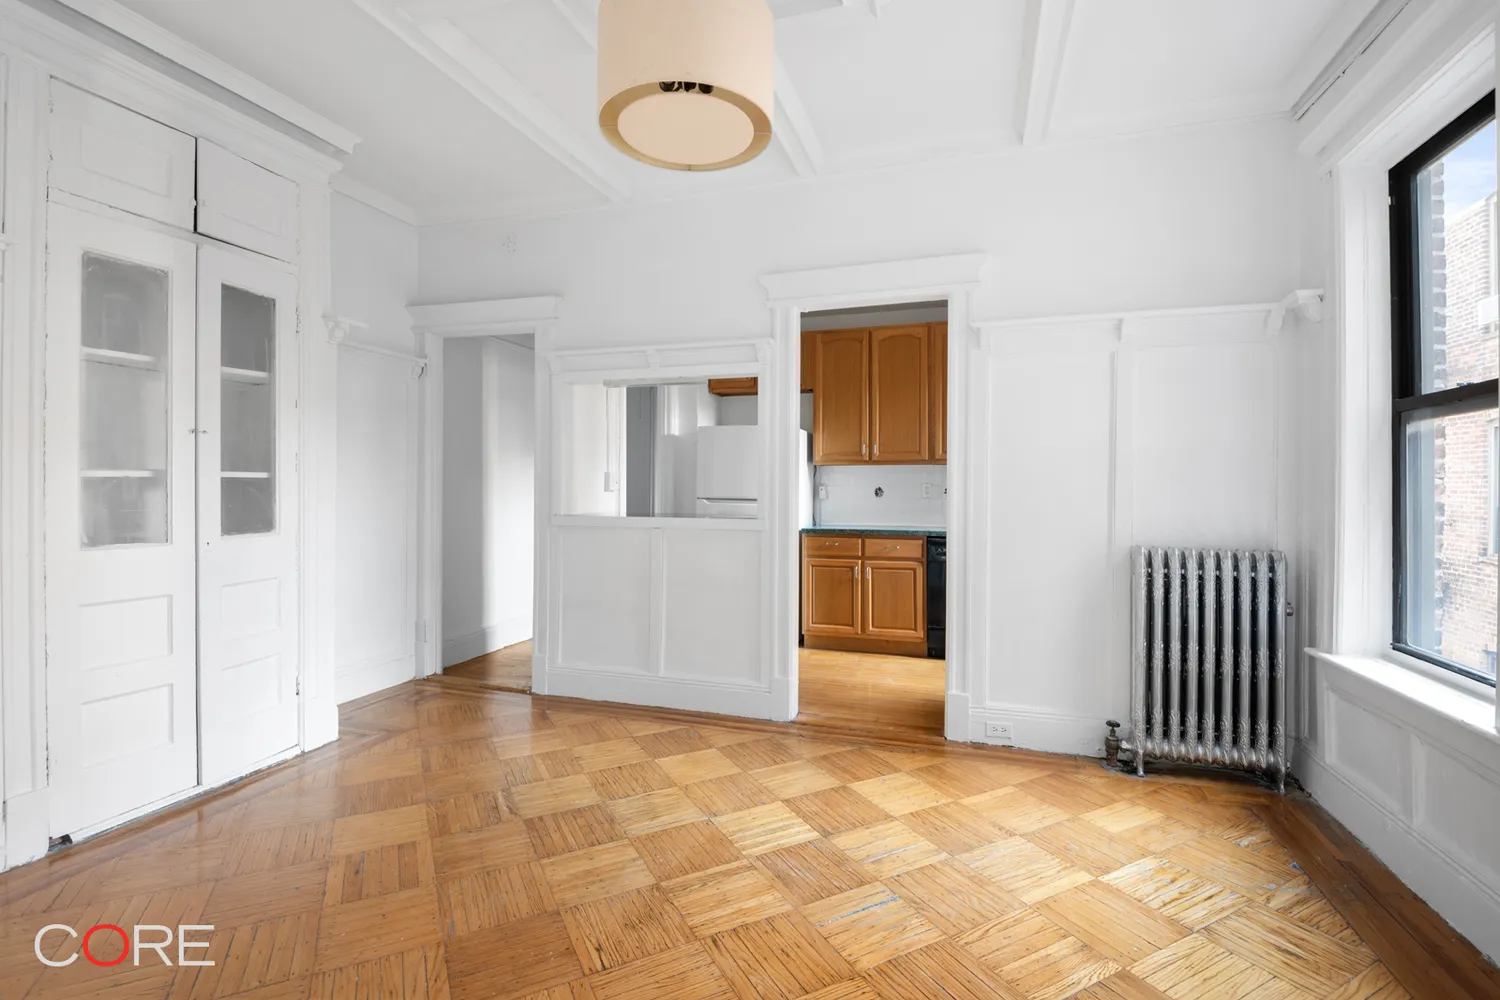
(1038, 729)
(1077, 319)
(152, 35)
(318, 407)
(1044, 47)
(339, 328)
(465, 62)
(717, 359)
(952, 278)
(876, 284)
(433, 323)
(485, 318)
(1433, 49)
(380, 201)
(23, 681)
(677, 691)
(92, 65)
(359, 679)
(1341, 41)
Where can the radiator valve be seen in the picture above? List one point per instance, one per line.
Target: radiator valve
(1112, 744)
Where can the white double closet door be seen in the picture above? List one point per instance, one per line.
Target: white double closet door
(171, 576)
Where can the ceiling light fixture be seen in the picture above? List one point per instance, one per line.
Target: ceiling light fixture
(687, 84)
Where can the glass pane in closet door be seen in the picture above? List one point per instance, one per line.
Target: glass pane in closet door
(126, 361)
(247, 488)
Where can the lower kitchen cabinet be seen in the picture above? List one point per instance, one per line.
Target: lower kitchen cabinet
(864, 593)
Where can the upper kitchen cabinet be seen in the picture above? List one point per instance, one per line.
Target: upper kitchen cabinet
(879, 396)
(937, 351)
(116, 157)
(898, 394)
(841, 398)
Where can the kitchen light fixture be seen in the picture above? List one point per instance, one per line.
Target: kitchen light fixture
(687, 84)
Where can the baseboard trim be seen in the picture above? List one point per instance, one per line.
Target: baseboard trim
(486, 640)
(26, 827)
(655, 691)
(1458, 896)
(1033, 729)
(358, 681)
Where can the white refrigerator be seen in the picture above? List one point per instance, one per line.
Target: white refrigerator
(728, 477)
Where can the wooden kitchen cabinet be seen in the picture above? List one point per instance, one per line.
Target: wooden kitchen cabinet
(899, 384)
(895, 604)
(880, 396)
(841, 398)
(938, 351)
(865, 593)
(831, 595)
(734, 386)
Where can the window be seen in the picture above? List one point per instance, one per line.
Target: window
(1444, 396)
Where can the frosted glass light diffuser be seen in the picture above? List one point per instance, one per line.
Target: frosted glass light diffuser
(687, 84)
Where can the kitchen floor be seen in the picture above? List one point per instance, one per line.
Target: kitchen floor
(507, 669)
(895, 697)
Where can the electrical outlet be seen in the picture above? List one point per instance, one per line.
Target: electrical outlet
(999, 731)
(926, 491)
(822, 491)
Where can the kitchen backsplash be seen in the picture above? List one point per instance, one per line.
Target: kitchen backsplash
(851, 495)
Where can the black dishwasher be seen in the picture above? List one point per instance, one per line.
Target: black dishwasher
(937, 599)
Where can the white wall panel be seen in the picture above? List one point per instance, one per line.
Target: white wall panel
(711, 621)
(1457, 803)
(1371, 751)
(1204, 434)
(377, 616)
(1049, 518)
(603, 578)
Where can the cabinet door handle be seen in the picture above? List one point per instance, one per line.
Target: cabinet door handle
(867, 574)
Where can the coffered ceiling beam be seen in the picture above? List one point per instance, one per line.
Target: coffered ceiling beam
(793, 128)
(1043, 47)
(448, 48)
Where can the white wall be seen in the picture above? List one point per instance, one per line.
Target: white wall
(489, 456)
(374, 277)
(1202, 216)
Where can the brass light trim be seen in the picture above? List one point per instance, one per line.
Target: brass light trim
(609, 123)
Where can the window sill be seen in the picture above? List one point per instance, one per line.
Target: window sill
(1466, 702)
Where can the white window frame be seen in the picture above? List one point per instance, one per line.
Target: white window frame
(1397, 121)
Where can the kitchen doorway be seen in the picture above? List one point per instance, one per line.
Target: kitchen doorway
(872, 536)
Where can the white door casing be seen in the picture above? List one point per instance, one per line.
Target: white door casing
(119, 451)
(247, 511)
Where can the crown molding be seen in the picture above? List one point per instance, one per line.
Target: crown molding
(380, 201)
(893, 281)
(488, 316)
(152, 35)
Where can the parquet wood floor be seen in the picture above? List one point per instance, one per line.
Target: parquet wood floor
(458, 844)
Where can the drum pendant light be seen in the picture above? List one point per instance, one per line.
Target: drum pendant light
(687, 84)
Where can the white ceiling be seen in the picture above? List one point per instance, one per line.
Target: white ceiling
(482, 108)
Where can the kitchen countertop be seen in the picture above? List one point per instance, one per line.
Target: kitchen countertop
(850, 529)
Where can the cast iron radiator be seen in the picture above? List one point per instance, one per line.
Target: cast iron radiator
(1207, 660)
